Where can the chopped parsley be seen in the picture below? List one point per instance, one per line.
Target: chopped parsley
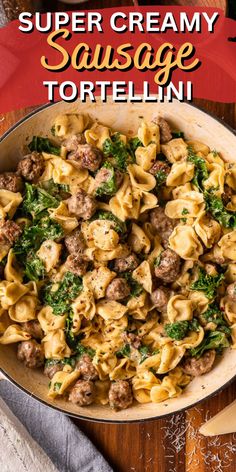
(201, 172)
(133, 144)
(40, 144)
(212, 340)
(160, 178)
(185, 211)
(61, 298)
(179, 329)
(157, 260)
(216, 207)
(207, 283)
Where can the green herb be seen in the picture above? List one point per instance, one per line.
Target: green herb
(133, 144)
(124, 351)
(215, 153)
(212, 340)
(214, 315)
(157, 260)
(30, 241)
(119, 226)
(80, 350)
(215, 206)
(37, 200)
(160, 178)
(109, 187)
(179, 329)
(59, 191)
(185, 211)
(144, 351)
(201, 172)
(183, 220)
(57, 386)
(135, 287)
(177, 134)
(61, 298)
(117, 149)
(207, 283)
(44, 145)
(34, 268)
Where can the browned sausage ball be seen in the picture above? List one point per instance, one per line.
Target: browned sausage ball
(9, 232)
(31, 166)
(87, 156)
(160, 298)
(165, 131)
(31, 353)
(196, 367)
(51, 370)
(82, 205)
(72, 143)
(74, 242)
(76, 264)
(126, 264)
(160, 166)
(82, 393)
(33, 328)
(11, 181)
(120, 395)
(231, 291)
(86, 368)
(162, 224)
(118, 289)
(169, 266)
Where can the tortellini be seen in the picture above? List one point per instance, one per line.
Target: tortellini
(185, 243)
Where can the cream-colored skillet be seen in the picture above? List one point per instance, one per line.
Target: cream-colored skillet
(124, 117)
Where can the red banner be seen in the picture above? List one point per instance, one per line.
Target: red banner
(23, 77)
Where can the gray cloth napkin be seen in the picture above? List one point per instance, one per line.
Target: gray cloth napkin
(63, 442)
(3, 18)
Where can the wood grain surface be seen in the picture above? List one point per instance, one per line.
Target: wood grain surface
(172, 444)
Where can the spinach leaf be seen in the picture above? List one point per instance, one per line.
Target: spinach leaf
(135, 287)
(201, 172)
(207, 283)
(124, 351)
(133, 144)
(109, 187)
(80, 350)
(179, 329)
(57, 386)
(119, 226)
(144, 351)
(59, 191)
(117, 149)
(36, 200)
(61, 298)
(216, 207)
(30, 241)
(212, 340)
(213, 314)
(40, 144)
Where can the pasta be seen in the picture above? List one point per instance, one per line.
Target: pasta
(118, 261)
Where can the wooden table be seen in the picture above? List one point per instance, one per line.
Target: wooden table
(172, 444)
